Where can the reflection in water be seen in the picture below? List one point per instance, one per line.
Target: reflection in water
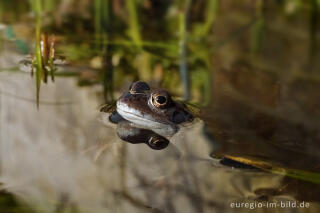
(128, 132)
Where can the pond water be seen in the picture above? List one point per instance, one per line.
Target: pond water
(246, 71)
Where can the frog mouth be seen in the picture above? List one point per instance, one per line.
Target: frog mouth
(136, 116)
(143, 120)
(146, 121)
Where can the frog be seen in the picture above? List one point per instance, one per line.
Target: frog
(148, 115)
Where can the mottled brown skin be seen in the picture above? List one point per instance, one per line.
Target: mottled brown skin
(157, 104)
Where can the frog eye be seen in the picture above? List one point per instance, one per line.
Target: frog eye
(159, 100)
(138, 87)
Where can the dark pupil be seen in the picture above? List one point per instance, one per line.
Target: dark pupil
(161, 99)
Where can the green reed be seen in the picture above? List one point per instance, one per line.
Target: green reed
(133, 28)
(314, 25)
(103, 34)
(37, 9)
(97, 22)
(211, 14)
(257, 29)
(43, 60)
(183, 68)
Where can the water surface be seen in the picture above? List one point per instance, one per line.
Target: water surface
(249, 71)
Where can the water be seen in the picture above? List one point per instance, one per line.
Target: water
(252, 73)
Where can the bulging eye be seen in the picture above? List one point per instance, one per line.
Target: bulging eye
(159, 100)
(139, 87)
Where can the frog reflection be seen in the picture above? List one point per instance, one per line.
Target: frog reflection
(150, 116)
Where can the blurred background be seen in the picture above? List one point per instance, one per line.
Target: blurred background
(248, 68)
